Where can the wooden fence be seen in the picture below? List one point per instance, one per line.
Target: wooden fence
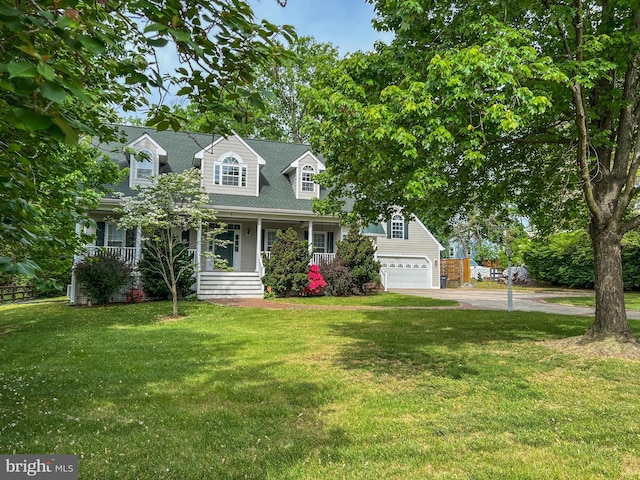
(456, 269)
(14, 293)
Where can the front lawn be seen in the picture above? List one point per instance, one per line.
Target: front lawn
(234, 393)
(386, 299)
(631, 300)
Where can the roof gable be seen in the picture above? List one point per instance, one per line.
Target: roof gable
(296, 163)
(198, 156)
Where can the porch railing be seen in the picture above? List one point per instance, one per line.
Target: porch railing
(315, 260)
(128, 254)
(319, 258)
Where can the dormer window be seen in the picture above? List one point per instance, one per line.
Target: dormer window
(307, 179)
(144, 165)
(398, 227)
(230, 172)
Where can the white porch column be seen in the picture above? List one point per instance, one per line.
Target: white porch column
(258, 244)
(198, 259)
(310, 236)
(138, 244)
(73, 294)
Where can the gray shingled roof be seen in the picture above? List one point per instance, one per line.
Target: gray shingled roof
(275, 188)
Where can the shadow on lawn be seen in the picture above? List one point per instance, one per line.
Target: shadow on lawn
(443, 343)
(161, 401)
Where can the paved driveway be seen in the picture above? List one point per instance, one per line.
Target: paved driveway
(526, 301)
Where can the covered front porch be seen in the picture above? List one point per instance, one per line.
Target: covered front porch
(249, 240)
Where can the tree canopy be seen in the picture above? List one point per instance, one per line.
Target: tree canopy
(494, 103)
(66, 65)
(284, 115)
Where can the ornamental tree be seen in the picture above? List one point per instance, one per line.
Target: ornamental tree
(530, 104)
(171, 204)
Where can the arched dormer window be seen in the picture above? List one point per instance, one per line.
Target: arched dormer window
(398, 227)
(230, 172)
(307, 179)
(144, 164)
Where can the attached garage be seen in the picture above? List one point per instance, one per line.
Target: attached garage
(405, 272)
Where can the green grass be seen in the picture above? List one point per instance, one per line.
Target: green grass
(631, 300)
(232, 393)
(386, 299)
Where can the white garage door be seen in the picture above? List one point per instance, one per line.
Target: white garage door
(406, 272)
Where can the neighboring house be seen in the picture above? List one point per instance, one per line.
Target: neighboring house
(257, 188)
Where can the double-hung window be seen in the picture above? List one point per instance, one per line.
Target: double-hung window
(144, 164)
(272, 235)
(397, 226)
(231, 173)
(319, 242)
(109, 235)
(307, 179)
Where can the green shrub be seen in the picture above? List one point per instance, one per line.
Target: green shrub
(566, 259)
(286, 269)
(102, 276)
(153, 283)
(338, 278)
(631, 261)
(357, 253)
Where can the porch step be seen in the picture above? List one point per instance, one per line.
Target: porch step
(230, 285)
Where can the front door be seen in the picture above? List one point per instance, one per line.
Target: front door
(226, 252)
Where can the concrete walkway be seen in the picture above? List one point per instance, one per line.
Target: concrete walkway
(525, 301)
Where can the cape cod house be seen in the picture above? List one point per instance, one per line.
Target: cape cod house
(257, 188)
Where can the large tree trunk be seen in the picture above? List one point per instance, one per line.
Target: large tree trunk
(611, 315)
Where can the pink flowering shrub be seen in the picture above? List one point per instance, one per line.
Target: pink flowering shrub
(134, 295)
(316, 281)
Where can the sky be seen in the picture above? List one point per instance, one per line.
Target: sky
(344, 23)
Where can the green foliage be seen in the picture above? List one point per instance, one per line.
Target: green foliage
(338, 278)
(286, 269)
(153, 282)
(170, 204)
(284, 114)
(41, 203)
(566, 259)
(493, 104)
(103, 275)
(631, 260)
(357, 253)
(66, 66)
